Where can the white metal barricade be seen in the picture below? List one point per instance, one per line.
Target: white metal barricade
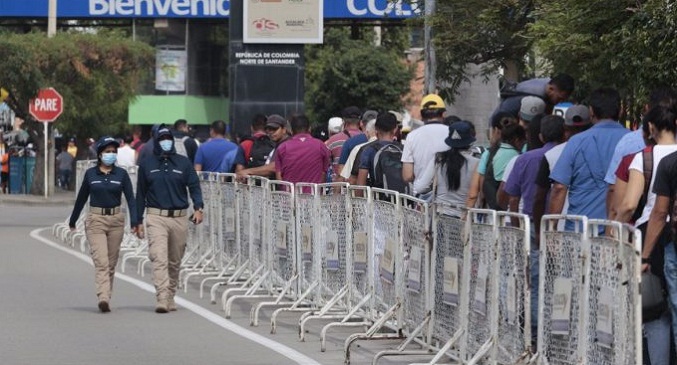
(562, 295)
(283, 252)
(613, 310)
(514, 321)
(256, 252)
(417, 310)
(310, 254)
(228, 245)
(388, 260)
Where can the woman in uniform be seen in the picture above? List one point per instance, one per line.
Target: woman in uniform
(104, 184)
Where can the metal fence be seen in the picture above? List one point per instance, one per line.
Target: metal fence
(452, 287)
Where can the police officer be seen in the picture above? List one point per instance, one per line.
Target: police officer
(163, 181)
(104, 184)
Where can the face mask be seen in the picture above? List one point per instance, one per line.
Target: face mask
(109, 158)
(166, 145)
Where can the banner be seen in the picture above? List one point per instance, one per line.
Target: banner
(282, 21)
(170, 70)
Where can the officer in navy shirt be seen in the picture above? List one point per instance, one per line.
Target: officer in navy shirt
(164, 180)
(104, 225)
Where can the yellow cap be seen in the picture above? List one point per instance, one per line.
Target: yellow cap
(3, 94)
(432, 101)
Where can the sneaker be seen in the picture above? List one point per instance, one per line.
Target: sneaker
(171, 305)
(161, 307)
(103, 306)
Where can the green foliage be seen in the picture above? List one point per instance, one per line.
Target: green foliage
(96, 74)
(490, 33)
(624, 44)
(345, 72)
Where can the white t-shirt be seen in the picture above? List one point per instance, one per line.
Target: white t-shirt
(126, 156)
(422, 144)
(348, 167)
(637, 164)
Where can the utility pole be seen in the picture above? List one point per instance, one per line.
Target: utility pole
(51, 19)
(430, 85)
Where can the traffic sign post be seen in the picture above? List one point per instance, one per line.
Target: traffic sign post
(45, 108)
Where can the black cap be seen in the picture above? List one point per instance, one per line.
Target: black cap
(351, 112)
(275, 121)
(106, 141)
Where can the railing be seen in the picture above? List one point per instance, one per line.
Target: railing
(454, 288)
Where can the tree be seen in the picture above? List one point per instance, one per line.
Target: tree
(96, 74)
(623, 44)
(345, 72)
(492, 34)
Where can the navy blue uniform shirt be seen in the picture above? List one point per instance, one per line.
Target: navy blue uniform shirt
(104, 190)
(162, 182)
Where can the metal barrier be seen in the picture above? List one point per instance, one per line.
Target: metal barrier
(451, 287)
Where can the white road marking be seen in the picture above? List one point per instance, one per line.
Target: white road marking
(281, 349)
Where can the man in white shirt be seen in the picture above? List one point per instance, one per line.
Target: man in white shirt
(126, 154)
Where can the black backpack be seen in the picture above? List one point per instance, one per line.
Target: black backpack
(508, 90)
(647, 161)
(388, 168)
(490, 186)
(261, 148)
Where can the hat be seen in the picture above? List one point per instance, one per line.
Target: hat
(461, 135)
(72, 139)
(335, 125)
(432, 101)
(398, 116)
(104, 142)
(275, 121)
(351, 112)
(386, 122)
(369, 115)
(163, 131)
(577, 116)
(531, 106)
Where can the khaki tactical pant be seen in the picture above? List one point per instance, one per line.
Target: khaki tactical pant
(167, 244)
(104, 233)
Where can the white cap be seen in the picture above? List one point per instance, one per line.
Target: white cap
(335, 125)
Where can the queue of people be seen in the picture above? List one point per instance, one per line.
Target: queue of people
(581, 163)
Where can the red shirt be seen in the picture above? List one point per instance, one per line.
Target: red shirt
(335, 145)
(302, 158)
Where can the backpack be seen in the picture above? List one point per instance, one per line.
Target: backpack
(509, 89)
(180, 145)
(490, 186)
(261, 148)
(388, 168)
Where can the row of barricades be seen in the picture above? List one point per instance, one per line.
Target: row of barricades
(451, 288)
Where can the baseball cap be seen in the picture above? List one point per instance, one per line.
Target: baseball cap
(577, 116)
(369, 115)
(104, 142)
(275, 121)
(351, 112)
(461, 134)
(163, 131)
(398, 116)
(335, 124)
(432, 101)
(531, 106)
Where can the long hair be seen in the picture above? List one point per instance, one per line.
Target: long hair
(454, 161)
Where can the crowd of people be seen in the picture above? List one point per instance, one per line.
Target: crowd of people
(582, 162)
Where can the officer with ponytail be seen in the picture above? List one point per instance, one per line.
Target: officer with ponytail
(103, 185)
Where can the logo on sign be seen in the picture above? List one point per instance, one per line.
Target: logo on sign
(265, 24)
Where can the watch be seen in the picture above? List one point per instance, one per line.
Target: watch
(199, 210)
(644, 260)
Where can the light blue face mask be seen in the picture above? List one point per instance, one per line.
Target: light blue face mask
(166, 145)
(109, 158)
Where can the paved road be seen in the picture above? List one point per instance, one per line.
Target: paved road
(48, 312)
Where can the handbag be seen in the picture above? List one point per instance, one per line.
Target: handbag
(654, 303)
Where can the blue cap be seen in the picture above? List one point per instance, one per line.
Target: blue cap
(106, 141)
(461, 134)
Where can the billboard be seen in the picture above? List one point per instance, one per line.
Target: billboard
(282, 21)
(333, 9)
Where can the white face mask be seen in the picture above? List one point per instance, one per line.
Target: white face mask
(166, 145)
(109, 158)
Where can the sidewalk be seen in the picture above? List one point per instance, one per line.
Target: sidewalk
(60, 197)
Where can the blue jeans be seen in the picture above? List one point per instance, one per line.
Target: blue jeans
(657, 334)
(64, 178)
(670, 270)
